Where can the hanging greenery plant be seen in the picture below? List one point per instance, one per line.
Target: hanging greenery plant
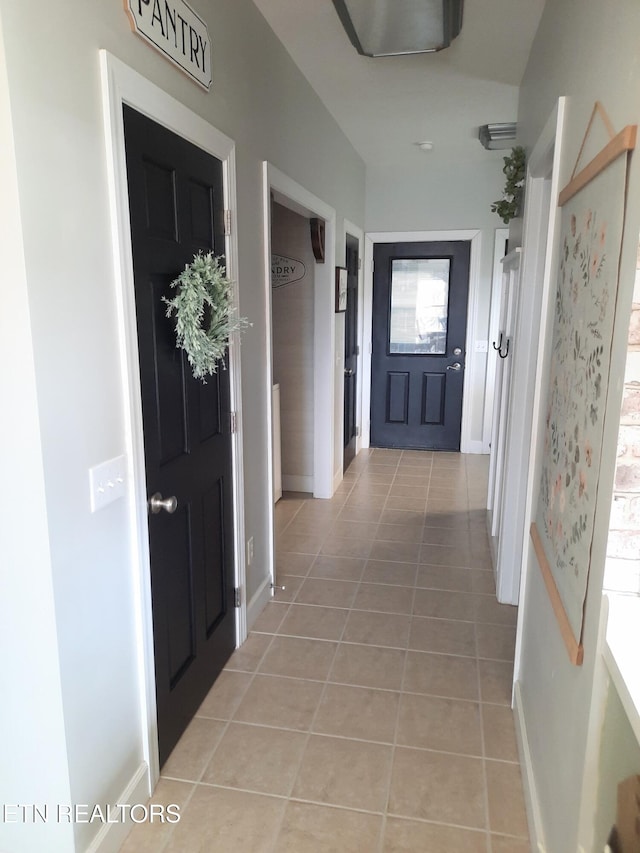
(205, 316)
(510, 204)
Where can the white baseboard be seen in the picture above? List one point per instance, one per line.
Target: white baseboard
(534, 816)
(258, 600)
(297, 483)
(337, 478)
(111, 836)
(472, 447)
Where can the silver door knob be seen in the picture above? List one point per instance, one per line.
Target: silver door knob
(455, 366)
(348, 373)
(157, 503)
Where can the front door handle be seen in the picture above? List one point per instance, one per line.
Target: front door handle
(158, 503)
(455, 366)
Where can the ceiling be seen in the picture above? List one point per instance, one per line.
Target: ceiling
(386, 104)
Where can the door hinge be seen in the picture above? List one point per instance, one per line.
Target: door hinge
(359, 263)
(227, 223)
(237, 596)
(358, 349)
(357, 432)
(233, 423)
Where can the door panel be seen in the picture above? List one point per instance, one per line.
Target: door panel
(433, 399)
(176, 209)
(398, 398)
(351, 352)
(420, 293)
(215, 599)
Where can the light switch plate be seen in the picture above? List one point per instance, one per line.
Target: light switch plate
(107, 482)
(482, 346)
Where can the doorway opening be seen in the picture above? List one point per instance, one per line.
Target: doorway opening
(281, 193)
(292, 317)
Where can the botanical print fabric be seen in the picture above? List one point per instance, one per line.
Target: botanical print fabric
(584, 313)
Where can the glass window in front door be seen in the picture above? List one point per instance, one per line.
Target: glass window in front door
(419, 306)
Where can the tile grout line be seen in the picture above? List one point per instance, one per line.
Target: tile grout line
(361, 580)
(326, 682)
(487, 816)
(196, 783)
(351, 610)
(309, 733)
(226, 725)
(386, 646)
(398, 709)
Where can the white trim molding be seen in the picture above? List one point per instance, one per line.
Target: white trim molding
(532, 803)
(122, 85)
(500, 238)
(259, 599)
(112, 835)
(540, 228)
(474, 236)
(358, 233)
(297, 483)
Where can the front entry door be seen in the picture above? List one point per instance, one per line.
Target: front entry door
(176, 208)
(351, 352)
(420, 293)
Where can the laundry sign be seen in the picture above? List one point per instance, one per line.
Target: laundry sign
(285, 270)
(173, 28)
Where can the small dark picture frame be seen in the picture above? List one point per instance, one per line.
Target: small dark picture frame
(341, 289)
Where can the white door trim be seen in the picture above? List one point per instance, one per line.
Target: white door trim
(358, 233)
(500, 238)
(467, 445)
(121, 84)
(545, 160)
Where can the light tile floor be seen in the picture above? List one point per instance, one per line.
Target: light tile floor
(369, 708)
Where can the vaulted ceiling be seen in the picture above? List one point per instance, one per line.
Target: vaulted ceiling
(385, 105)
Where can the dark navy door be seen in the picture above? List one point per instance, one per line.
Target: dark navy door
(420, 294)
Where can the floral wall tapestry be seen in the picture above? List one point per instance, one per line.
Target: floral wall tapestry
(585, 302)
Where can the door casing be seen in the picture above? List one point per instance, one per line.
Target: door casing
(353, 231)
(541, 224)
(121, 84)
(500, 239)
(467, 445)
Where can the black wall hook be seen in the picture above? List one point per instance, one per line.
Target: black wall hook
(498, 347)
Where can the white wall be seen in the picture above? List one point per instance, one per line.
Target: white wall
(586, 50)
(34, 765)
(440, 194)
(73, 393)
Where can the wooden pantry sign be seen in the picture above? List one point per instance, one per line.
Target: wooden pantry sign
(174, 29)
